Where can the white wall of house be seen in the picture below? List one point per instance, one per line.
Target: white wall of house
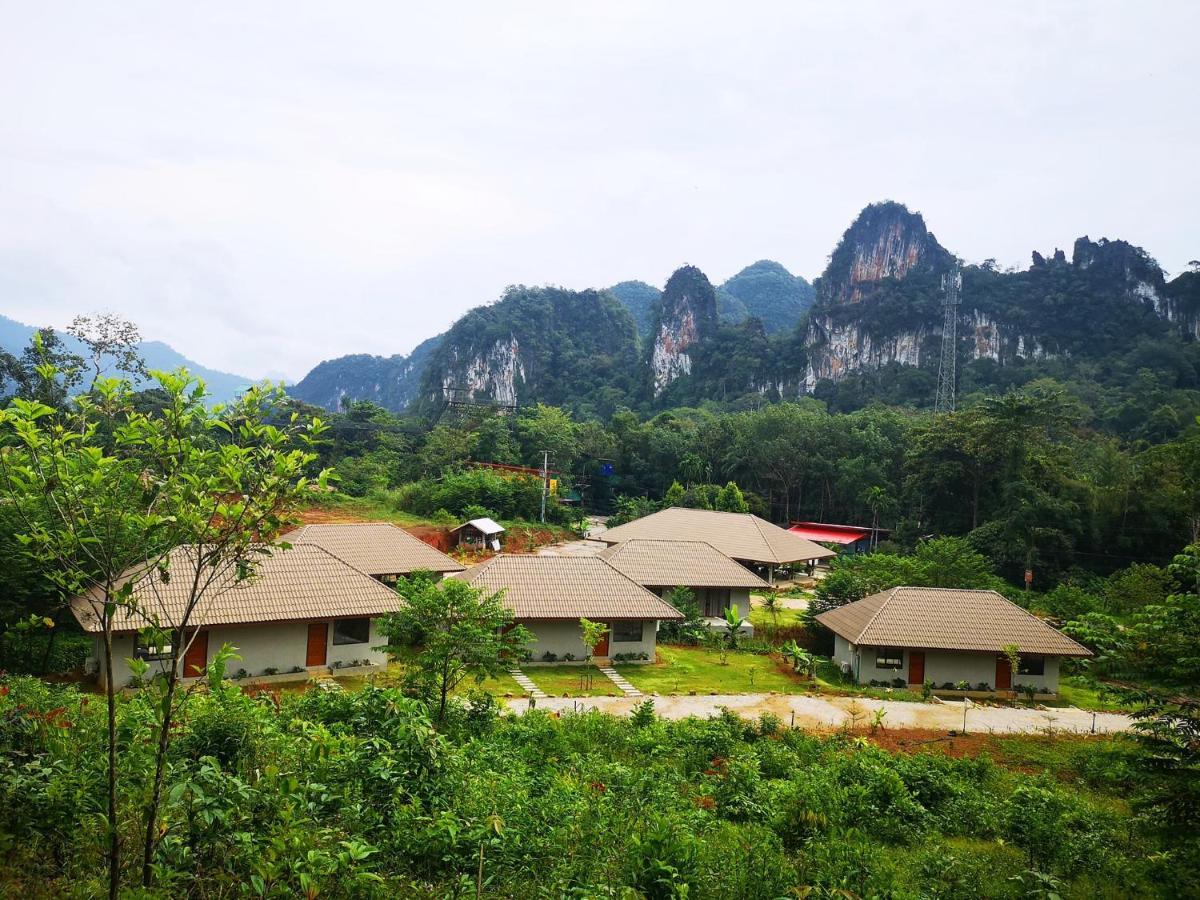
(275, 645)
(712, 601)
(562, 636)
(941, 666)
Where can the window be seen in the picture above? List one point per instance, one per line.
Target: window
(142, 648)
(626, 632)
(351, 631)
(1032, 665)
(889, 658)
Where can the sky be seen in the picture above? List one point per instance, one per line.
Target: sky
(267, 185)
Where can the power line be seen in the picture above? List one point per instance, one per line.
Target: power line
(951, 288)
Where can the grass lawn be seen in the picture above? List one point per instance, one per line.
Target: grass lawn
(681, 670)
(1074, 691)
(763, 622)
(559, 680)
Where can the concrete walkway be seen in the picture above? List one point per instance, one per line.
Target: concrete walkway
(527, 684)
(626, 688)
(834, 712)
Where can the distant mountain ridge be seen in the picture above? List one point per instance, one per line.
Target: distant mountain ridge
(222, 386)
(393, 382)
(868, 327)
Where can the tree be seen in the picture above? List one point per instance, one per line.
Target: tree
(111, 342)
(730, 499)
(88, 520)
(107, 492)
(591, 633)
(458, 632)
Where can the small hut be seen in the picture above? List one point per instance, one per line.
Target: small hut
(479, 534)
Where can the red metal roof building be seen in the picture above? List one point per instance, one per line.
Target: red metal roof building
(825, 533)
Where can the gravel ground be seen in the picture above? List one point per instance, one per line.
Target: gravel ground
(833, 712)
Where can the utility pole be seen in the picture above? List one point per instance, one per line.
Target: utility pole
(545, 481)
(952, 291)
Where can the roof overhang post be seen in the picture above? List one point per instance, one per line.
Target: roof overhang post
(771, 574)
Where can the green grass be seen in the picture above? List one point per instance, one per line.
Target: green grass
(682, 670)
(560, 680)
(763, 622)
(1075, 691)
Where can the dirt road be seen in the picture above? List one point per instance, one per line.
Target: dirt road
(834, 712)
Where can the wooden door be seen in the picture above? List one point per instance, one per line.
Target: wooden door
(916, 666)
(318, 644)
(196, 657)
(602, 647)
(1003, 674)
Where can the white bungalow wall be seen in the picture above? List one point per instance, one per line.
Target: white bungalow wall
(941, 666)
(277, 645)
(562, 636)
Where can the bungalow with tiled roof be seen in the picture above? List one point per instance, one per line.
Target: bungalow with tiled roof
(550, 594)
(717, 581)
(947, 636)
(303, 610)
(380, 549)
(742, 536)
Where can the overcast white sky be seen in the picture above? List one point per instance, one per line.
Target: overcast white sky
(266, 185)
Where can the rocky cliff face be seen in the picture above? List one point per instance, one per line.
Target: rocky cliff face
(545, 345)
(886, 241)
(879, 302)
(687, 316)
(491, 375)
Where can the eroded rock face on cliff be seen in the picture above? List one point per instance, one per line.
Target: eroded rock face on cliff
(491, 376)
(687, 316)
(885, 241)
(838, 349)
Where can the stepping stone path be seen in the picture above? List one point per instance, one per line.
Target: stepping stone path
(626, 688)
(527, 683)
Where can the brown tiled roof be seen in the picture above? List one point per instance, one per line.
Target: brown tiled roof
(679, 563)
(304, 583)
(946, 619)
(738, 535)
(566, 587)
(377, 548)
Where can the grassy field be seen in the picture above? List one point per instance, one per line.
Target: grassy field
(682, 670)
(564, 680)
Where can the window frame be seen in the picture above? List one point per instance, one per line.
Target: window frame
(629, 623)
(1023, 668)
(885, 655)
(144, 653)
(351, 642)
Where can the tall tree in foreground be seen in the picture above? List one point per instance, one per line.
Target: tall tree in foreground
(112, 496)
(89, 518)
(448, 632)
(229, 478)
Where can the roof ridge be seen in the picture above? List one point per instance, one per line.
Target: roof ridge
(882, 606)
(755, 519)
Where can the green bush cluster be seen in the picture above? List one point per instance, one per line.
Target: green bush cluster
(339, 794)
(43, 652)
(478, 491)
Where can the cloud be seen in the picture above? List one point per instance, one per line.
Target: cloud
(265, 186)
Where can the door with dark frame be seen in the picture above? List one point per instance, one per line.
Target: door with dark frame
(318, 644)
(602, 647)
(916, 666)
(1003, 674)
(196, 657)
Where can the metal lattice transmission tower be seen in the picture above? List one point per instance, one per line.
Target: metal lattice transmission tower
(952, 298)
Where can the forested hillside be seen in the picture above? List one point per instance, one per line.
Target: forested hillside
(1106, 323)
(391, 381)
